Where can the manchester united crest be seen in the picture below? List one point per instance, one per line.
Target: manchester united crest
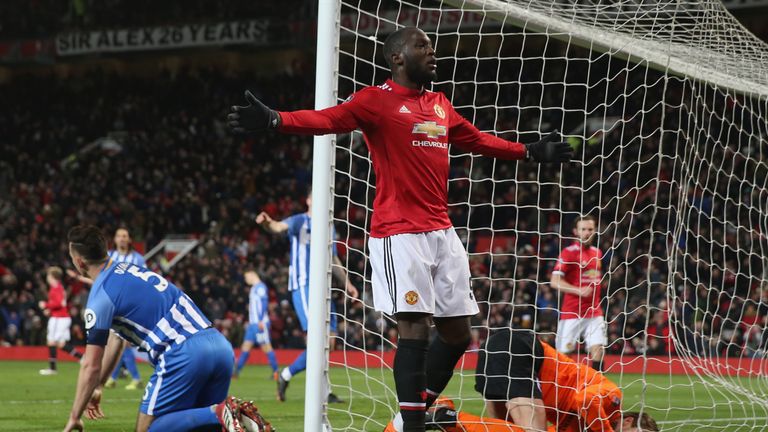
(411, 297)
(439, 111)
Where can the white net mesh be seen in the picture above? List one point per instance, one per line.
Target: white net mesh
(666, 104)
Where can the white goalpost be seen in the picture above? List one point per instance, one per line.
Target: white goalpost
(666, 105)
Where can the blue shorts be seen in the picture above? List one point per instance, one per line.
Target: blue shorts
(194, 374)
(301, 304)
(256, 336)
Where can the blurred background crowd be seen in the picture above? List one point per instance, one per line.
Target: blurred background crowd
(145, 147)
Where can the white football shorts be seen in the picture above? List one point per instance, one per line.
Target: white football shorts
(58, 329)
(591, 330)
(425, 272)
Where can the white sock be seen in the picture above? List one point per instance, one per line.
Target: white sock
(286, 374)
(397, 422)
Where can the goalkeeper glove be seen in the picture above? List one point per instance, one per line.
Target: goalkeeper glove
(548, 149)
(252, 117)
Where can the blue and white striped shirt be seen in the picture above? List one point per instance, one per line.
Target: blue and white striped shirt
(299, 233)
(257, 304)
(131, 257)
(142, 307)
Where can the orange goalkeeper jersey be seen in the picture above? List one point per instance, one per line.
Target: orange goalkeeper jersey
(577, 397)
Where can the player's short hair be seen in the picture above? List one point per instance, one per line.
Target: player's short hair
(393, 44)
(585, 218)
(55, 271)
(89, 242)
(250, 269)
(643, 421)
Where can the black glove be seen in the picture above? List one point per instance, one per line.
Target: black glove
(253, 117)
(548, 149)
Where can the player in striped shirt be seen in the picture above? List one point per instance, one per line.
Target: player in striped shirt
(297, 229)
(124, 252)
(192, 360)
(257, 332)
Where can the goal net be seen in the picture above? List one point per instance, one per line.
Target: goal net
(666, 106)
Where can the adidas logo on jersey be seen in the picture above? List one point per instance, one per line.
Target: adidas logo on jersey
(404, 110)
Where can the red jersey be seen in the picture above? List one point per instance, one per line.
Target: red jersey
(580, 266)
(407, 132)
(57, 301)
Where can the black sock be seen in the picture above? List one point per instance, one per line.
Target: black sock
(441, 360)
(72, 351)
(410, 382)
(52, 357)
(597, 365)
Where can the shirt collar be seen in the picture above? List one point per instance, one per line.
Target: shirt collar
(405, 91)
(580, 245)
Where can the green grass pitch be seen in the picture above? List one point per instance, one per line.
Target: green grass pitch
(30, 402)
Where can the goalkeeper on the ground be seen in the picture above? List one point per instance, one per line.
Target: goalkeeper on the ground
(527, 383)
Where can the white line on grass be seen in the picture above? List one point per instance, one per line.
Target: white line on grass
(60, 401)
(717, 420)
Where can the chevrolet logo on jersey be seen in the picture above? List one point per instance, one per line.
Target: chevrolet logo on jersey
(430, 129)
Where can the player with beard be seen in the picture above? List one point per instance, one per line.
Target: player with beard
(578, 274)
(420, 267)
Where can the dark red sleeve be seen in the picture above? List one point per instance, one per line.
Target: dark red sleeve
(354, 113)
(465, 135)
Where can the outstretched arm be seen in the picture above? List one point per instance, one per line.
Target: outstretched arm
(256, 117)
(465, 135)
(271, 225)
(73, 274)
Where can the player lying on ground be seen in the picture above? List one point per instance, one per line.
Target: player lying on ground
(526, 383)
(193, 361)
(444, 417)
(420, 271)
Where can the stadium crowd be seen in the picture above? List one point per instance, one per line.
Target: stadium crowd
(153, 155)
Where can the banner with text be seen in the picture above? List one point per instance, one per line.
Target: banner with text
(427, 20)
(164, 37)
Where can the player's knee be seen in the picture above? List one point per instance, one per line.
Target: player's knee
(456, 340)
(455, 331)
(413, 325)
(597, 351)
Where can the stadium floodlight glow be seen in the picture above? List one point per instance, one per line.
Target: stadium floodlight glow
(666, 103)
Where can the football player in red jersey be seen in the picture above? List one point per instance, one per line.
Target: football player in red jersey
(420, 267)
(578, 274)
(59, 320)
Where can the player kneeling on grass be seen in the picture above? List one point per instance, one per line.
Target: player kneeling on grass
(193, 361)
(526, 383)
